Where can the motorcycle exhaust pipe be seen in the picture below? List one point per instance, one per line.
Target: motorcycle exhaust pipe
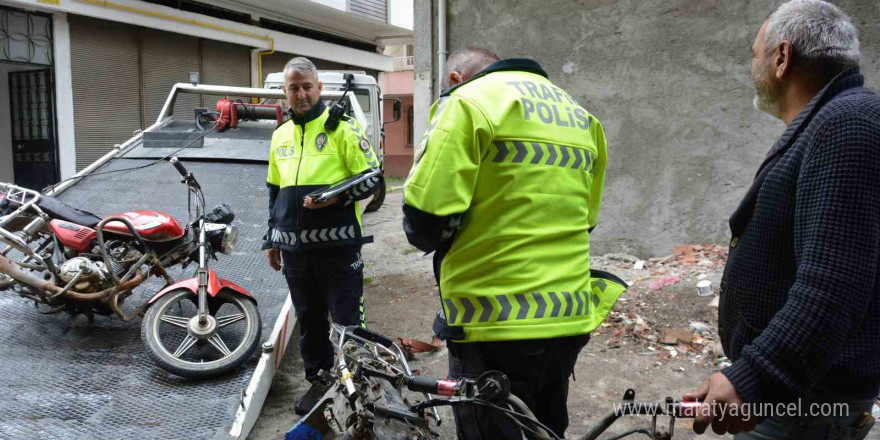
(12, 269)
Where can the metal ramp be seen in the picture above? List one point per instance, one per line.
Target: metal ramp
(67, 378)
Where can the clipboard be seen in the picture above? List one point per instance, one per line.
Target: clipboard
(326, 193)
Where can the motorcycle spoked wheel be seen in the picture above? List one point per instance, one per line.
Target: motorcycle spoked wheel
(166, 331)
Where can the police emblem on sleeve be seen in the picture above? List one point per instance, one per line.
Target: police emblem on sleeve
(365, 146)
(321, 141)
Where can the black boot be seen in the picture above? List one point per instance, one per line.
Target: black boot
(311, 397)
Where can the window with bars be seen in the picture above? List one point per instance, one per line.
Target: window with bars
(31, 102)
(25, 37)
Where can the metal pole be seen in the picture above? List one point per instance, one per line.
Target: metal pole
(441, 43)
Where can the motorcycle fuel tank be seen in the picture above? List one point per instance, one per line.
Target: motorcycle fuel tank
(151, 225)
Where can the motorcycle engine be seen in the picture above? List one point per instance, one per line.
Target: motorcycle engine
(390, 418)
(94, 276)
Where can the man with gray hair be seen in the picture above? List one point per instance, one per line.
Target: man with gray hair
(463, 64)
(801, 290)
(317, 243)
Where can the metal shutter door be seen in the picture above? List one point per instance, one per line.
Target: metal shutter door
(275, 63)
(224, 64)
(167, 59)
(106, 86)
(375, 9)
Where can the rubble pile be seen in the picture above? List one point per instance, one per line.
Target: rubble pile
(661, 314)
(698, 342)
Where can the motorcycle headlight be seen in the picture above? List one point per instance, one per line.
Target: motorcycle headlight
(230, 237)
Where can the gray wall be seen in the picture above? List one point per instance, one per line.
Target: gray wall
(670, 81)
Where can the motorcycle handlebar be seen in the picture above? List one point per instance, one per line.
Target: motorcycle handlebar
(179, 166)
(687, 410)
(683, 410)
(451, 388)
(188, 178)
(430, 385)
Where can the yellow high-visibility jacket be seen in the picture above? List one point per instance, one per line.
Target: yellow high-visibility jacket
(506, 185)
(305, 157)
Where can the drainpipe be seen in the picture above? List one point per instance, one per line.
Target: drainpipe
(441, 43)
(260, 60)
(260, 76)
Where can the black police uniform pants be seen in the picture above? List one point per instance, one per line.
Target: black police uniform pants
(321, 282)
(538, 371)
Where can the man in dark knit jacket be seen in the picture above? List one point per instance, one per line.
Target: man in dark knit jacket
(800, 297)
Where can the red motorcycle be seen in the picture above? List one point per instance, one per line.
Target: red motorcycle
(74, 261)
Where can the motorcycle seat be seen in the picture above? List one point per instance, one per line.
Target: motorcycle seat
(57, 209)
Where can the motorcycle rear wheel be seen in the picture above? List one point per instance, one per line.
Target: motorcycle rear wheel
(183, 354)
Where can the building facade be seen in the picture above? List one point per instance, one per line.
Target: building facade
(399, 135)
(80, 76)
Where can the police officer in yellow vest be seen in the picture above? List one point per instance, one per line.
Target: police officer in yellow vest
(505, 188)
(317, 243)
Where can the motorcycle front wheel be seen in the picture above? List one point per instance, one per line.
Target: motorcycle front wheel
(182, 346)
(378, 199)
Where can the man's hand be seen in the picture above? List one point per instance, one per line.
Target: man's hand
(723, 407)
(274, 256)
(310, 203)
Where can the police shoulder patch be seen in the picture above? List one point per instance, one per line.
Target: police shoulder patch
(364, 144)
(321, 141)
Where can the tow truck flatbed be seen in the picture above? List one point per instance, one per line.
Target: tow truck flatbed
(65, 377)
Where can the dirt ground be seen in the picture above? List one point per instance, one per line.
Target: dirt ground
(661, 340)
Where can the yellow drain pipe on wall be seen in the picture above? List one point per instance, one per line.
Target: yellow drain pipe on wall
(203, 24)
(260, 65)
